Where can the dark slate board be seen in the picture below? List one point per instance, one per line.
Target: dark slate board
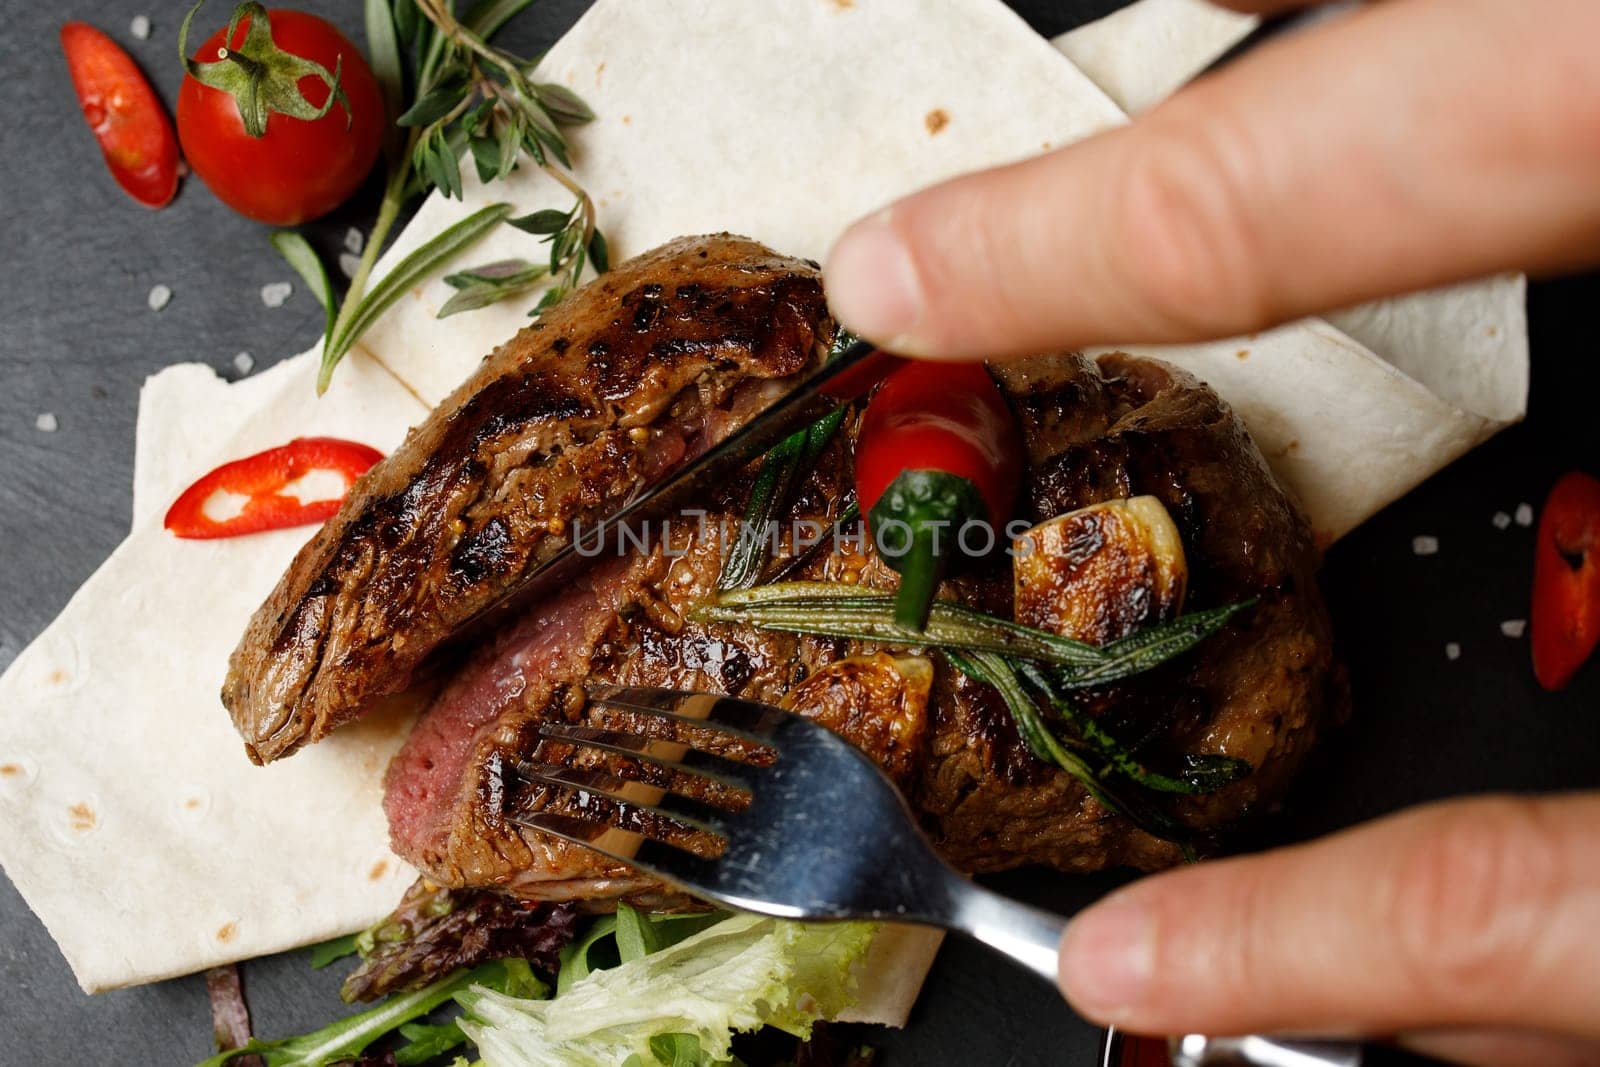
(79, 340)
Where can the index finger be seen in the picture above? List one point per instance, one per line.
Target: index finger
(1473, 913)
(1413, 144)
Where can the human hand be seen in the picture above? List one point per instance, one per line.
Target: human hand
(1471, 928)
(1413, 144)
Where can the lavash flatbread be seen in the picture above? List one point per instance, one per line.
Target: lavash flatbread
(783, 122)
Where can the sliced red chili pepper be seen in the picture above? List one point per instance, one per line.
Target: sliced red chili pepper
(938, 449)
(127, 118)
(260, 479)
(1566, 580)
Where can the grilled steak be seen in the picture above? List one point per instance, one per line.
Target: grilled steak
(1259, 690)
(644, 367)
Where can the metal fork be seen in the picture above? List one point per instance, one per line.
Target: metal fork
(787, 818)
(818, 833)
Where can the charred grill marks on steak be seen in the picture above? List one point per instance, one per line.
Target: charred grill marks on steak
(1258, 691)
(648, 365)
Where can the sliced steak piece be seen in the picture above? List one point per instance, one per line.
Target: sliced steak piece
(642, 368)
(1123, 427)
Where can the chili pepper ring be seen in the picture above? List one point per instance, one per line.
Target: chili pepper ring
(938, 452)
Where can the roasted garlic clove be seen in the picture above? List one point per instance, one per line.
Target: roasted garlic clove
(877, 702)
(1101, 572)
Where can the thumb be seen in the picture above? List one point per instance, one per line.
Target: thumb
(1481, 913)
(1415, 143)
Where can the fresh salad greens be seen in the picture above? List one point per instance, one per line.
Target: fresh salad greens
(681, 1004)
(351, 1036)
(637, 990)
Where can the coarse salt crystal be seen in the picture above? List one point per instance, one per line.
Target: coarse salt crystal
(353, 241)
(140, 27)
(1423, 545)
(349, 263)
(1514, 627)
(1524, 514)
(160, 296)
(1501, 521)
(47, 422)
(1452, 651)
(273, 294)
(244, 363)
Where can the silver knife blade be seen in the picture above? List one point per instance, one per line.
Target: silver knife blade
(848, 375)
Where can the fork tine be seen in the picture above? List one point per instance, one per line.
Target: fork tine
(649, 774)
(729, 715)
(719, 769)
(573, 777)
(691, 813)
(609, 740)
(658, 858)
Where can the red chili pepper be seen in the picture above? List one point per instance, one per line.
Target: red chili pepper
(125, 114)
(1566, 580)
(938, 449)
(260, 479)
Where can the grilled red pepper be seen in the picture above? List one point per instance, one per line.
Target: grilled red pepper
(938, 449)
(261, 479)
(125, 114)
(1566, 580)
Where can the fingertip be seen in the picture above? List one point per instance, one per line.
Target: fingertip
(1107, 967)
(873, 285)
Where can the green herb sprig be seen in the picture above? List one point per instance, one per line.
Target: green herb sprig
(774, 488)
(1032, 669)
(349, 1037)
(832, 609)
(474, 98)
(781, 469)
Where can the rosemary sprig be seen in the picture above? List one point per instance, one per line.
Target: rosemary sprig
(1149, 648)
(774, 485)
(471, 97)
(407, 273)
(996, 671)
(1112, 793)
(832, 609)
(1203, 772)
(1013, 659)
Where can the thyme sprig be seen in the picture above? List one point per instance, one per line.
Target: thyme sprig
(469, 97)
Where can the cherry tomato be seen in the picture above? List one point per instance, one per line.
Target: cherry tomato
(300, 168)
(125, 114)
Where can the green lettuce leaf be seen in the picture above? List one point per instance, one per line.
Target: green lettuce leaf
(741, 974)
